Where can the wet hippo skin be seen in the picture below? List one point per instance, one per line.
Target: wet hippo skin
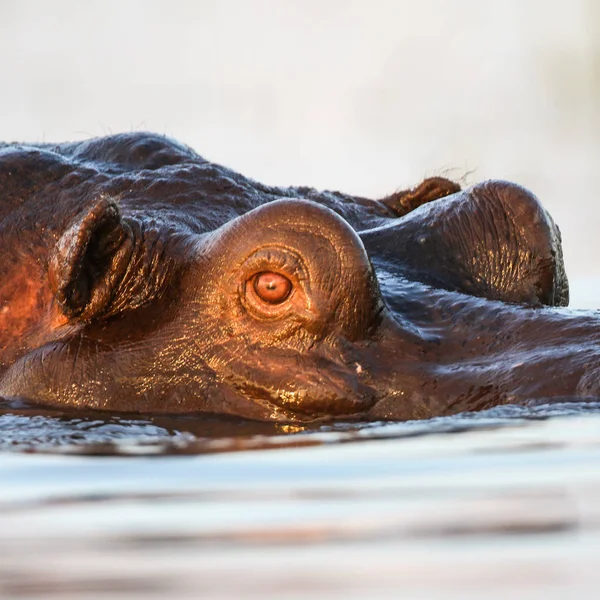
(138, 276)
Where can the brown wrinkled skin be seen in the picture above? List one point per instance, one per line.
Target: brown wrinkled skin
(137, 276)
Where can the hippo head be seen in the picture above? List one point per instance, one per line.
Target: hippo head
(172, 285)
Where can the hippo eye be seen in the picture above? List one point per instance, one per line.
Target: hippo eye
(273, 288)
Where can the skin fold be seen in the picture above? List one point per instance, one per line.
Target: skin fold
(139, 277)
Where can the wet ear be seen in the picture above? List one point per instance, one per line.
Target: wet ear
(433, 188)
(90, 260)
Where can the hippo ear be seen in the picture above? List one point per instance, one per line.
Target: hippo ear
(89, 260)
(433, 188)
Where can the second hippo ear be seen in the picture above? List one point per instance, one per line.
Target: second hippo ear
(432, 188)
(89, 261)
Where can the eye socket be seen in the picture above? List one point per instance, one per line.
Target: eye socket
(271, 287)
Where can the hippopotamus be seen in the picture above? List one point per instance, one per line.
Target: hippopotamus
(137, 276)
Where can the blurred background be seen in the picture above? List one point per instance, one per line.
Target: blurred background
(364, 97)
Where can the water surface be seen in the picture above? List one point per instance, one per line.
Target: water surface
(490, 505)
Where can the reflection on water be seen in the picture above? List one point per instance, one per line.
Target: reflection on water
(32, 429)
(504, 503)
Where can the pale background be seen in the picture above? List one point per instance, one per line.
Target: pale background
(361, 96)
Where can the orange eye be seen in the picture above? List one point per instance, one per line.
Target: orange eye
(272, 287)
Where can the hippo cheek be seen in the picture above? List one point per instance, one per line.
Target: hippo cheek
(84, 372)
(302, 387)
